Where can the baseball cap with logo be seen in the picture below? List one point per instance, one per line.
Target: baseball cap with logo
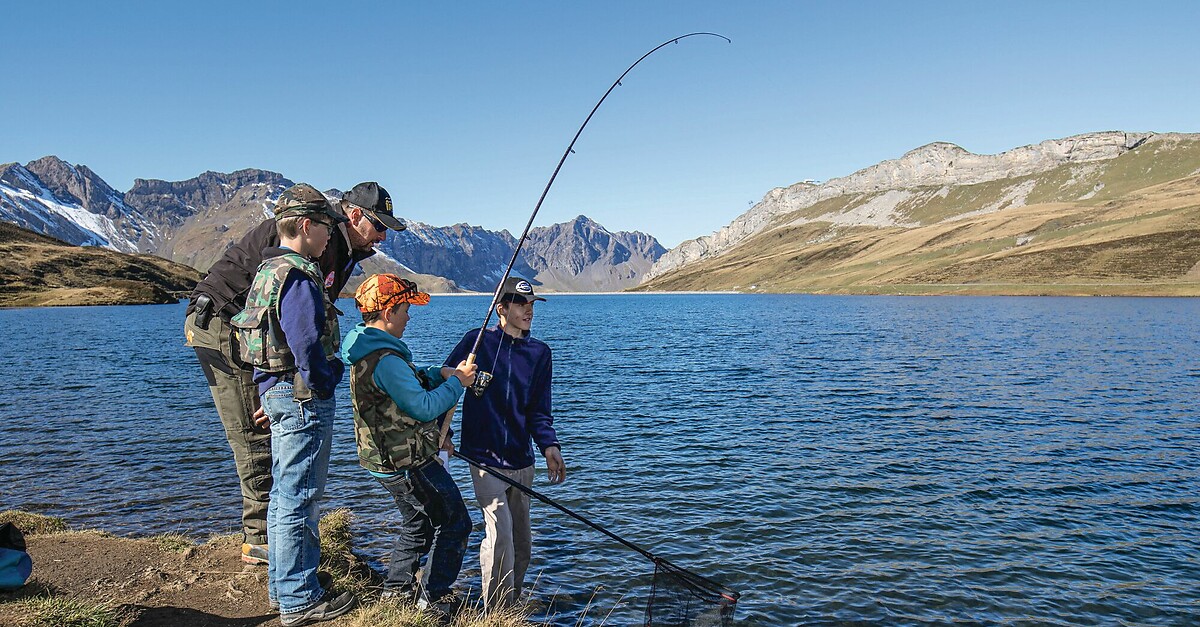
(384, 291)
(376, 202)
(518, 290)
(303, 199)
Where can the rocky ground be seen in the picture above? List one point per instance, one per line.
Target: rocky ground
(150, 583)
(94, 579)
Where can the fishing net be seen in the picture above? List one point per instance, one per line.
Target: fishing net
(681, 598)
(678, 596)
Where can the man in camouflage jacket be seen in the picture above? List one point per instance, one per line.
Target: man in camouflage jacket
(396, 406)
(367, 210)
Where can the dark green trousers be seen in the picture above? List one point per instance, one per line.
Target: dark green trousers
(236, 398)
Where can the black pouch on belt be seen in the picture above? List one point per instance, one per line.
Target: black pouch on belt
(204, 310)
(300, 389)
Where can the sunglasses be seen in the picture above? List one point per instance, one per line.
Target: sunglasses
(327, 225)
(375, 223)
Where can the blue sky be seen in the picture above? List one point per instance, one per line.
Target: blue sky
(463, 109)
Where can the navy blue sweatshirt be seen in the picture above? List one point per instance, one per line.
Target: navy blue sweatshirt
(515, 409)
(302, 316)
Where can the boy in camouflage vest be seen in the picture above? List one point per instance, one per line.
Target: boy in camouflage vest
(396, 406)
(289, 332)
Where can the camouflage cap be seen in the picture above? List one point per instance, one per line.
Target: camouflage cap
(384, 291)
(303, 199)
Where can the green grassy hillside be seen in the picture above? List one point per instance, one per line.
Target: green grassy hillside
(1129, 225)
(36, 270)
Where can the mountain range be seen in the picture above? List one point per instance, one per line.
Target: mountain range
(194, 221)
(1097, 213)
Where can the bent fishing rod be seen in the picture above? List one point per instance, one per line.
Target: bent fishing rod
(483, 378)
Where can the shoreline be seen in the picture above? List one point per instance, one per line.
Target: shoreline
(1050, 290)
(95, 578)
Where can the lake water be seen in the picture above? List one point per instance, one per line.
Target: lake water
(839, 460)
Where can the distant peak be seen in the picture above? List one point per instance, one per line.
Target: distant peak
(935, 148)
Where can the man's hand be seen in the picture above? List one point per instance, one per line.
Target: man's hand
(466, 373)
(556, 470)
(261, 419)
(448, 445)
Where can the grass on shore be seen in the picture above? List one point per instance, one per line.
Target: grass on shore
(58, 611)
(47, 608)
(33, 524)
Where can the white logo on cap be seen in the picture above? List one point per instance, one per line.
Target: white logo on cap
(523, 287)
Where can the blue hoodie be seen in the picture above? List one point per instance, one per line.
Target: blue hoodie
(394, 376)
(497, 428)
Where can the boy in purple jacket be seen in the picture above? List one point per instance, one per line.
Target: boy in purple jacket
(497, 431)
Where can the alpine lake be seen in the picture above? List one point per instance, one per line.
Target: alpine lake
(838, 460)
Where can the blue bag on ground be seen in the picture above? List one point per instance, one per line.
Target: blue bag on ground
(15, 565)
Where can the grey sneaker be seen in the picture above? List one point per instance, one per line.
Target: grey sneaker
(399, 594)
(324, 579)
(330, 608)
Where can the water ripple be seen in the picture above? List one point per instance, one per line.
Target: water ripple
(840, 460)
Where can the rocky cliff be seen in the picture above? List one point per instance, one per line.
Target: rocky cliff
(885, 186)
(1104, 213)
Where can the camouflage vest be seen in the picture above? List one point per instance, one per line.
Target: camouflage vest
(261, 342)
(389, 440)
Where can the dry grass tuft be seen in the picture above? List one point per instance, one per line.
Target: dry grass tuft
(349, 571)
(33, 524)
(173, 542)
(55, 611)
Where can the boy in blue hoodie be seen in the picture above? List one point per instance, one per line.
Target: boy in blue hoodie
(499, 428)
(396, 406)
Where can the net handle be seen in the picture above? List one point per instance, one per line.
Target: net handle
(547, 500)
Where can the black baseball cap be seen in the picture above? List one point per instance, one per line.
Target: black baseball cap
(518, 290)
(376, 202)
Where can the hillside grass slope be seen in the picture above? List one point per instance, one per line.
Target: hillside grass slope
(1127, 226)
(40, 271)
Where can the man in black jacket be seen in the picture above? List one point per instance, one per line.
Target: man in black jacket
(221, 294)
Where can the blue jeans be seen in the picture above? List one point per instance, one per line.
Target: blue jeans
(301, 436)
(433, 516)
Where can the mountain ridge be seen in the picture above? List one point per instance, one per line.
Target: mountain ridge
(1103, 213)
(935, 163)
(194, 221)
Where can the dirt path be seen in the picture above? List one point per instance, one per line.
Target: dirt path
(157, 585)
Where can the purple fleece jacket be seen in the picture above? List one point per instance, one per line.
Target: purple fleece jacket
(515, 408)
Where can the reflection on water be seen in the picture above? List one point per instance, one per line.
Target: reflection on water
(837, 459)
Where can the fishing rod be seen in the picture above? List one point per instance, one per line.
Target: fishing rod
(482, 379)
(716, 587)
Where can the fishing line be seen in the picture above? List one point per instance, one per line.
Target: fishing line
(482, 379)
(482, 382)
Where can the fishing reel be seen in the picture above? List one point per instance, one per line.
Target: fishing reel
(482, 379)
